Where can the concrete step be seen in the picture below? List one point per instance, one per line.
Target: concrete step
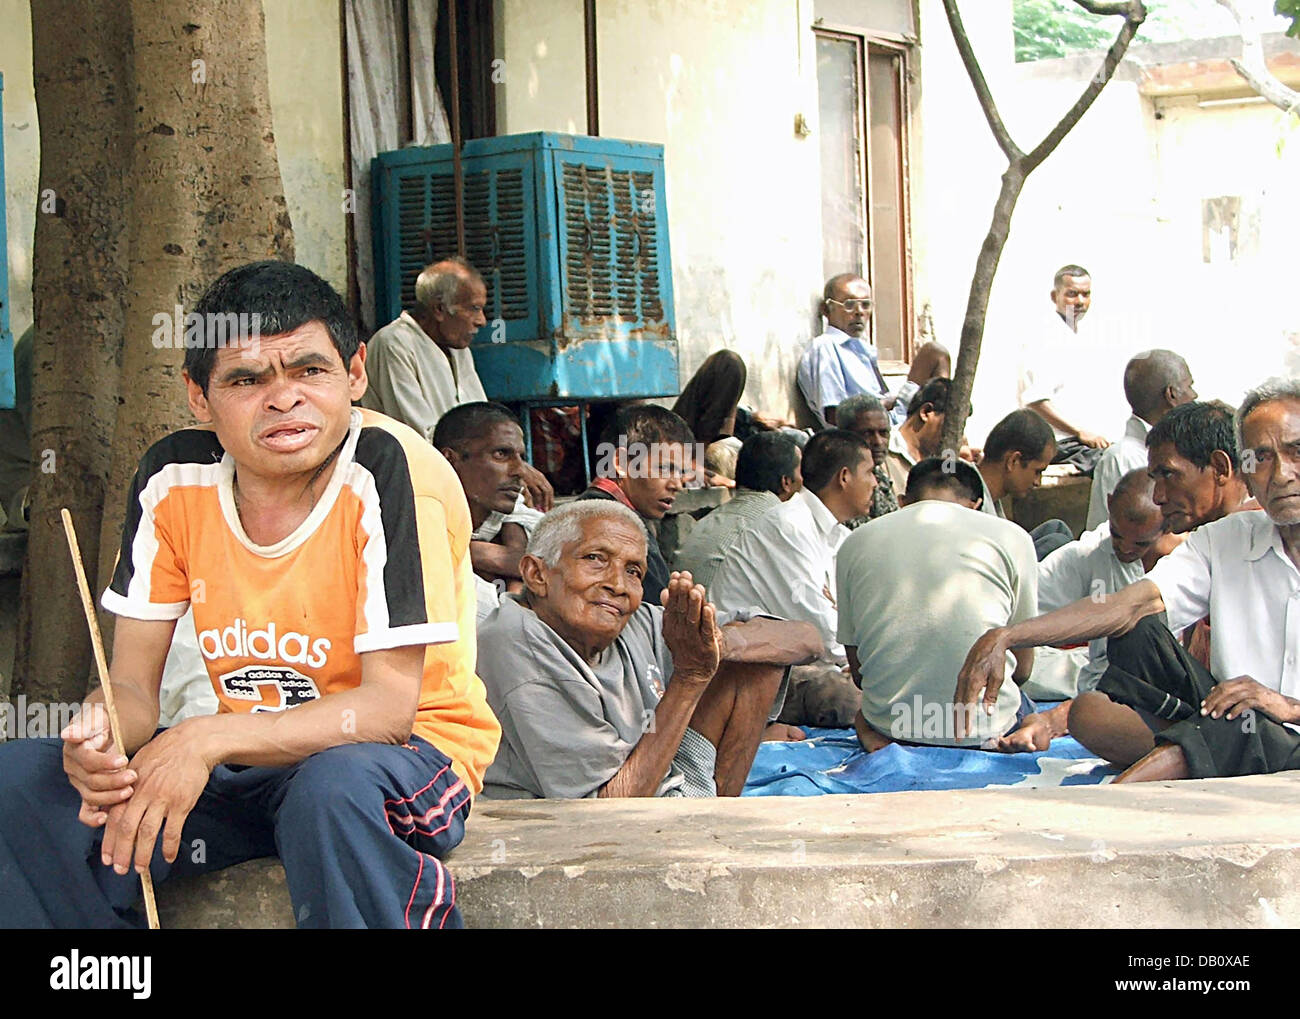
(1214, 853)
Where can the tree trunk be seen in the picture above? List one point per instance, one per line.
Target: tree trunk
(207, 197)
(977, 304)
(181, 121)
(79, 272)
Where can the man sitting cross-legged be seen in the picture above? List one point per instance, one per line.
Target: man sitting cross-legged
(1119, 552)
(1239, 716)
(1196, 479)
(767, 474)
(485, 446)
(602, 694)
(915, 587)
(325, 552)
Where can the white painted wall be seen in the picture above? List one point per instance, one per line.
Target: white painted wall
(1121, 195)
(22, 156)
(718, 83)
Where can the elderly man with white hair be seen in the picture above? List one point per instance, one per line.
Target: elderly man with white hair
(1242, 715)
(419, 366)
(602, 694)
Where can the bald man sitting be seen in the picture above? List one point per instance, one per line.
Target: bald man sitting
(1107, 559)
(1155, 382)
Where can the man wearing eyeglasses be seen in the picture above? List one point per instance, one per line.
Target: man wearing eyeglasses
(842, 361)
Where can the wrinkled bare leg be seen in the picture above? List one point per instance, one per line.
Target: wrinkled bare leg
(1111, 731)
(1165, 763)
(732, 714)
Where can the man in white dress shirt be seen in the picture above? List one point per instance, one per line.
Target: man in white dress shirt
(1050, 373)
(843, 361)
(1240, 716)
(1155, 382)
(785, 564)
(419, 366)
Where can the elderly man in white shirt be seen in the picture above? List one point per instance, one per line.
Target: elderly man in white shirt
(785, 564)
(1242, 715)
(419, 366)
(1052, 380)
(1155, 382)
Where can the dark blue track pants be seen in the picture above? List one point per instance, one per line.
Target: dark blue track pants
(360, 829)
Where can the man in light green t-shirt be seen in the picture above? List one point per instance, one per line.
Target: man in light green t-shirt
(914, 586)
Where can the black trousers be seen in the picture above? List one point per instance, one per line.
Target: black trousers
(1150, 671)
(1069, 450)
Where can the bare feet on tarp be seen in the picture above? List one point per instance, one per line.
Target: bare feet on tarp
(779, 732)
(870, 739)
(1034, 733)
(1165, 763)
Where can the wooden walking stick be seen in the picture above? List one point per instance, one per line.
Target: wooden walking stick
(101, 663)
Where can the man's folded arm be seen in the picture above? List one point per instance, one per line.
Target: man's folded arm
(380, 710)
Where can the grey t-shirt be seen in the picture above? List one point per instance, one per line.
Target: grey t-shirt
(916, 589)
(567, 726)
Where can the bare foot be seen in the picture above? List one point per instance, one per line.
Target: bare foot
(1167, 761)
(870, 739)
(1035, 733)
(779, 732)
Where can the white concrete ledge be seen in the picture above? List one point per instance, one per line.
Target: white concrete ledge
(1222, 853)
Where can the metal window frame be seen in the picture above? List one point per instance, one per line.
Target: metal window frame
(865, 42)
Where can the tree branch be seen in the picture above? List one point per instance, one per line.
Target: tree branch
(982, 93)
(1134, 15)
(1104, 7)
(1253, 68)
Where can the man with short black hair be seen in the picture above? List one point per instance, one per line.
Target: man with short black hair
(1192, 456)
(913, 586)
(645, 456)
(785, 564)
(1155, 382)
(324, 550)
(1016, 453)
(921, 433)
(485, 446)
(1049, 382)
(767, 474)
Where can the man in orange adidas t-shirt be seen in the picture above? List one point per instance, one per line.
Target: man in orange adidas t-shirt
(325, 552)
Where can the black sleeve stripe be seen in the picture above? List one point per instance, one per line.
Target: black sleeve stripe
(190, 445)
(381, 454)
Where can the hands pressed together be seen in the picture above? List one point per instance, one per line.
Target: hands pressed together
(691, 630)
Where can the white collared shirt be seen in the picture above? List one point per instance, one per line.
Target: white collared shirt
(1086, 568)
(411, 379)
(1128, 454)
(1238, 572)
(1056, 366)
(989, 505)
(785, 566)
